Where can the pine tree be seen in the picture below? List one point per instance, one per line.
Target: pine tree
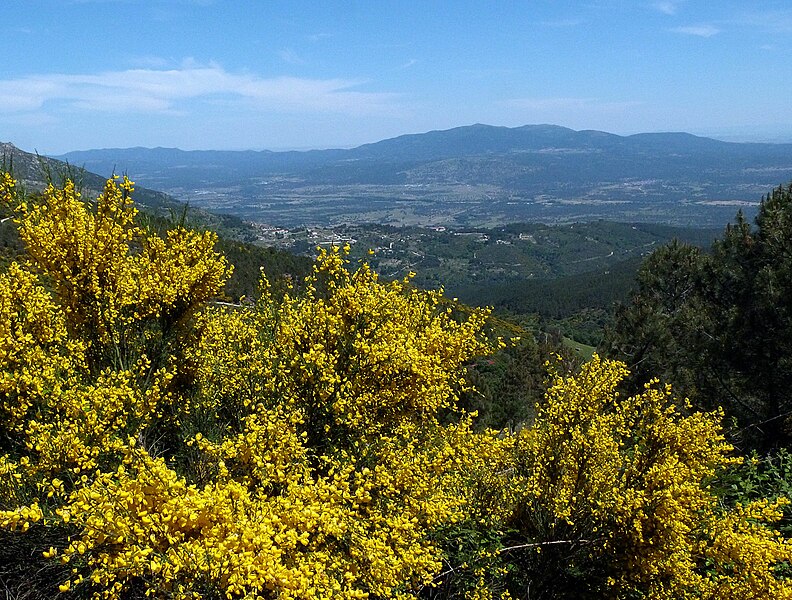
(719, 326)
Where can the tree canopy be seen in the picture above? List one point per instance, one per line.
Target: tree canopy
(718, 325)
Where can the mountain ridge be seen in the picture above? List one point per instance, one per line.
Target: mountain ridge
(470, 175)
(365, 149)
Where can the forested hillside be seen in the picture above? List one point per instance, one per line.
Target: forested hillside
(157, 442)
(718, 325)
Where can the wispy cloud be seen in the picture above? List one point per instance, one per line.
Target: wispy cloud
(410, 63)
(317, 37)
(667, 7)
(168, 91)
(705, 31)
(290, 57)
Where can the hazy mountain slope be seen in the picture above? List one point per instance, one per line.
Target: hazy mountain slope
(469, 176)
(471, 141)
(33, 172)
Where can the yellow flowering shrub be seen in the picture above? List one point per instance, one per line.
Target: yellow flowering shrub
(620, 486)
(35, 349)
(109, 295)
(153, 443)
(291, 449)
(330, 399)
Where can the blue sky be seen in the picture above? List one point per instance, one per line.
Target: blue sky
(244, 74)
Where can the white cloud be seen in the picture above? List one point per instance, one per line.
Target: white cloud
(290, 57)
(704, 31)
(168, 91)
(667, 7)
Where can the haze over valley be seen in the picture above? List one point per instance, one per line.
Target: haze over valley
(476, 175)
(507, 264)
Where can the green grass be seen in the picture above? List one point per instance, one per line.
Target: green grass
(584, 351)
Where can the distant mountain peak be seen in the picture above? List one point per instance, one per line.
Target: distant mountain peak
(476, 173)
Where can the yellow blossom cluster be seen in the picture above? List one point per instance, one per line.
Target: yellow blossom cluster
(107, 293)
(628, 479)
(36, 352)
(292, 449)
(358, 357)
(310, 446)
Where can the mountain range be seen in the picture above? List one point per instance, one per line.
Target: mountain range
(473, 175)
